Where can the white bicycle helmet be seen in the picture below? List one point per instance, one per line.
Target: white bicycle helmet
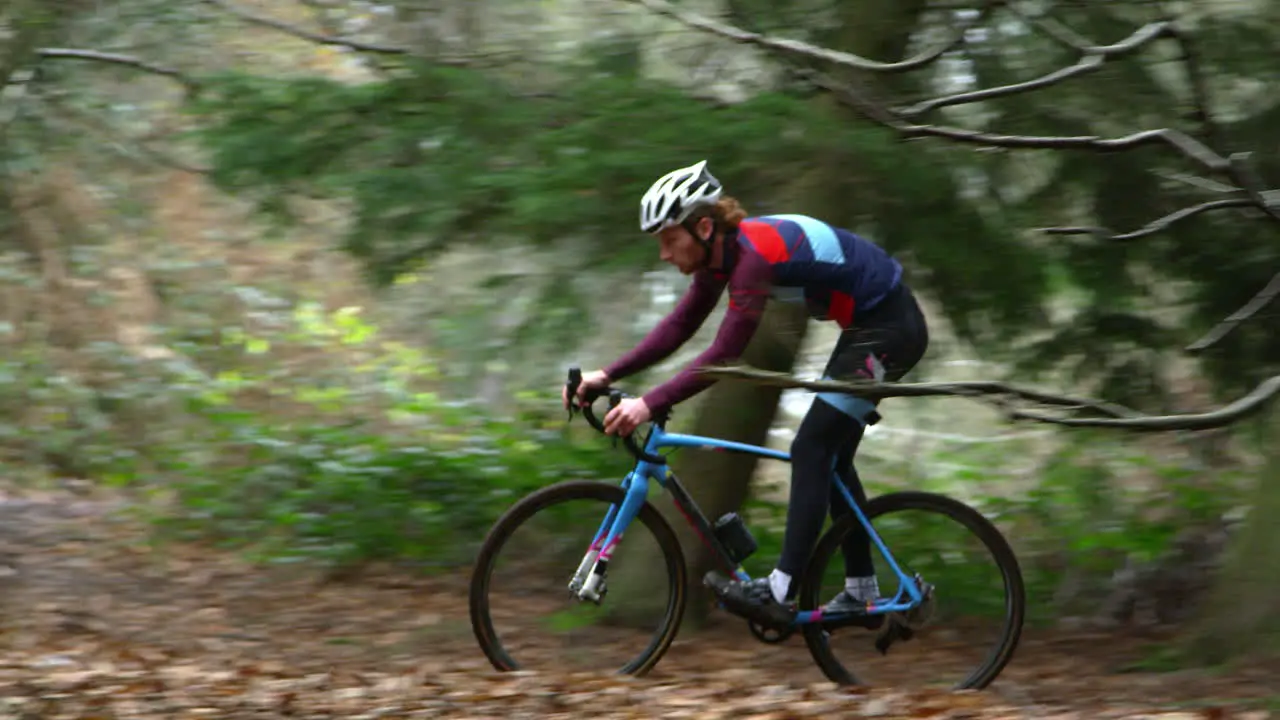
(671, 199)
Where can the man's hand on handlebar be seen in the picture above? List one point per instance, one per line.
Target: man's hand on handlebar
(595, 380)
(625, 414)
(626, 417)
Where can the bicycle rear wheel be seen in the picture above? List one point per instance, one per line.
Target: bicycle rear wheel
(963, 636)
(532, 620)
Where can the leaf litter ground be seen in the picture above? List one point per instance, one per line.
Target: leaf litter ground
(97, 623)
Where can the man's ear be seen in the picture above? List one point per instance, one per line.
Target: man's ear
(706, 228)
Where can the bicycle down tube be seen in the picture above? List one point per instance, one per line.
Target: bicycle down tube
(636, 485)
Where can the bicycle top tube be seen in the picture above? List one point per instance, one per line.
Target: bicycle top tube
(660, 438)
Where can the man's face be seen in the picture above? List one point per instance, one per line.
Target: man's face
(678, 247)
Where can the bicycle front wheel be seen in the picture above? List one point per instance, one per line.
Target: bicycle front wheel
(965, 632)
(524, 612)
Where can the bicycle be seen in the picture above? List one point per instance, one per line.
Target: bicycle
(730, 543)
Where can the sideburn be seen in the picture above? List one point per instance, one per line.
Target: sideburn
(708, 247)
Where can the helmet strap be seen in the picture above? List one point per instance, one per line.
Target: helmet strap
(691, 226)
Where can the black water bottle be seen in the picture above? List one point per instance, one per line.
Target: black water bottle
(735, 537)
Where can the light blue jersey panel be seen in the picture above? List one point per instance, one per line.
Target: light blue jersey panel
(822, 239)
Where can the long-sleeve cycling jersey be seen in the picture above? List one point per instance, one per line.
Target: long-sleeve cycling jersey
(791, 258)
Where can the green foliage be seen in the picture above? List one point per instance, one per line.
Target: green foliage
(318, 439)
(52, 418)
(1095, 506)
(440, 156)
(409, 476)
(345, 493)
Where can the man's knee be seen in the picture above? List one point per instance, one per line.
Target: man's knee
(860, 409)
(813, 455)
(824, 432)
(809, 451)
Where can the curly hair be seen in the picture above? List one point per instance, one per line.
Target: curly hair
(727, 212)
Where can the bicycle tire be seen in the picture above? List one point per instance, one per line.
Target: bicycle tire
(972, 520)
(526, 508)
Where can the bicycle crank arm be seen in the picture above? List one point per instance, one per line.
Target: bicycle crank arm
(892, 633)
(770, 635)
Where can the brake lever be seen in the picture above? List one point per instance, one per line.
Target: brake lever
(615, 397)
(571, 389)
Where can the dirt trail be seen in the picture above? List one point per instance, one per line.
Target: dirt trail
(95, 622)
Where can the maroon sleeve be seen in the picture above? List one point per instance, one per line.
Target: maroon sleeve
(748, 294)
(672, 332)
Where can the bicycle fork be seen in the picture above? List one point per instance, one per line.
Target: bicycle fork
(588, 583)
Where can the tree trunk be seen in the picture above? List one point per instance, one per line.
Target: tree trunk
(15, 36)
(22, 27)
(718, 482)
(1242, 617)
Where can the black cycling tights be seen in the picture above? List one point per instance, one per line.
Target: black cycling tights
(887, 342)
(825, 433)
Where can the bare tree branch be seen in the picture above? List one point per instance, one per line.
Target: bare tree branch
(370, 61)
(305, 34)
(1269, 202)
(1072, 40)
(1180, 141)
(1247, 176)
(1264, 297)
(1238, 168)
(1093, 57)
(1250, 404)
(1199, 86)
(1087, 64)
(1190, 59)
(1185, 144)
(1196, 181)
(1113, 416)
(359, 46)
(118, 59)
(796, 47)
(1233, 167)
(878, 391)
(1154, 226)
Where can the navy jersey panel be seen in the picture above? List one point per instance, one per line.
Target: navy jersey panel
(835, 271)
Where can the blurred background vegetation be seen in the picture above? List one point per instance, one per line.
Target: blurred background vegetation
(315, 299)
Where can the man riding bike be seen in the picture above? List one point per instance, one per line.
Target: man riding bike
(841, 277)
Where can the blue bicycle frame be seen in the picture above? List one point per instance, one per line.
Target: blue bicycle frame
(636, 485)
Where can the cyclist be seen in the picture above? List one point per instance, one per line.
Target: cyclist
(841, 277)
